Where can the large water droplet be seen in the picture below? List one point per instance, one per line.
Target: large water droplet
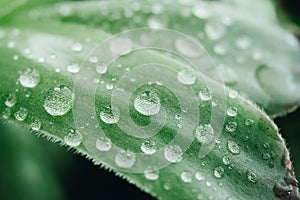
(21, 114)
(233, 147)
(219, 172)
(186, 177)
(173, 153)
(214, 30)
(30, 78)
(186, 77)
(11, 100)
(125, 159)
(73, 138)
(110, 115)
(204, 133)
(251, 176)
(151, 174)
(148, 147)
(58, 101)
(147, 103)
(103, 144)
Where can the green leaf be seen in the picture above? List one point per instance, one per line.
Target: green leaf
(246, 157)
(240, 42)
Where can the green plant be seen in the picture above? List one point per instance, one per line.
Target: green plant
(227, 147)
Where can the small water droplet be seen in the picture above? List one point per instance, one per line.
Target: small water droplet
(220, 49)
(110, 115)
(93, 59)
(233, 147)
(58, 101)
(231, 126)
(109, 86)
(11, 100)
(21, 114)
(151, 174)
(103, 144)
(266, 156)
(36, 125)
(167, 186)
(11, 44)
(226, 160)
(77, 47)
(232, 111)
(6, 113)
(233, 94)
(219, 172)
(73, 68)
(147, 103)
(173, 153)
(249, 122)
(204, 133)
(205, 95)
(201, 11)
(186, 177)
(125, 159)
(148, 147)
(73, 138)
(186, 77)
(243, 42)
(199, 176)
(30, 78)
(214, 30)
(251, 176)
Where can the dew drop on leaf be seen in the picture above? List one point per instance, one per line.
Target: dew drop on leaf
(214, 30)
(147, 103)
(173, 153)
(6, 113)
(58, 100)
(103, 144)
(233, 147)
(205, 95)
(248, 122)
(243, 42)
(73, 138)
(125, 159)
(226, 160)
(219, 172)
(204, 133)
(76, 47)
(30, 78)
(186, 77)
(110, 115)
(151, 174)
(73, 68)
(199, 176)
(148, 147)
(232, 111)
(36, 125)
(186, 177)
(11, 100)
(251, 176)
(21, 114)
(231, 126)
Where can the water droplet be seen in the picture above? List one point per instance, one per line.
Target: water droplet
(110, 115)
(233, 94)
(251, 176)
(186, 77)
(93, 59)
(147, 103)
(167, 186)
(151, 174)
(11, 44)
(76, 47)
(226, 160)
(243, 42)
(58, 101)
(41, 59)
(125, 159)
(11, 100)
(73, 68)
(120, 46)
(200, 11)
(231, 126)
(220, 49)
(214, 30)
(103, 144)
(233, 147)
(186, 177)
(36, 125)
(205, 95)
(6, 113)
(15, 57)
(204, 133)
(148, 147)
(21, 114)
(173, 153)
(219, 172)
(101, 69)
(232, 111)
(109, 86)
(30, 78)
(73, 138)
(249, 122)
(266, 156)
(199, 176)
